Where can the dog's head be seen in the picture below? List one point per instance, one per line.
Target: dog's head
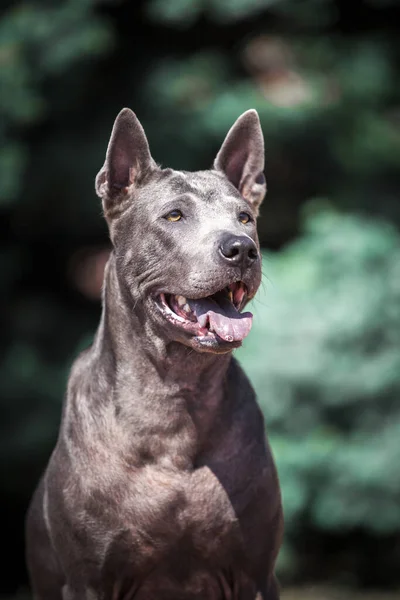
(185, 243)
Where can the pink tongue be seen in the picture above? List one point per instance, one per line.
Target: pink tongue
(224, 319)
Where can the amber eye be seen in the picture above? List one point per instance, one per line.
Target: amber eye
(174, 215)
(244, 218)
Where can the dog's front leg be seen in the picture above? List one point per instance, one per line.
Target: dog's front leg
(271, 592)
(70, 593)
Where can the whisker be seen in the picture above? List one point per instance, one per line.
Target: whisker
(261, 302)
(265, 276)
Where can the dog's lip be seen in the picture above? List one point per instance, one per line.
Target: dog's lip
(178, 320)
(212, 318)
(240, 300)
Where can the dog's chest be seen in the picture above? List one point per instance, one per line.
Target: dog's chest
(134, 483)
(157, 512)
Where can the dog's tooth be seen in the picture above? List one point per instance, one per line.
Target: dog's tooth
(230, 295)
(181, 300)
(239, 295)
(187, 308)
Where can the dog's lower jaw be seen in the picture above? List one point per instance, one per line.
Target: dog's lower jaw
(213, 345)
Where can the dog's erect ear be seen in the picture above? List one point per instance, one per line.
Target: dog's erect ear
(128, 160)
(241, 158)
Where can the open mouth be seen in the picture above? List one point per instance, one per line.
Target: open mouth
(212, 316)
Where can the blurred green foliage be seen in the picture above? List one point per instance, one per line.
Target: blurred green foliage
(184, 12)
(325, 360)
(38, 42)
(324, 353)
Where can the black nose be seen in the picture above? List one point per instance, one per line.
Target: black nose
(238, 251)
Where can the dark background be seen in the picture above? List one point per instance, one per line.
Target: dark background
(324, 353)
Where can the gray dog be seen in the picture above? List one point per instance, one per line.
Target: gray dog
(162, 485)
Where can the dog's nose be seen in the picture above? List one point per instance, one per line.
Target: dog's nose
(239, 251)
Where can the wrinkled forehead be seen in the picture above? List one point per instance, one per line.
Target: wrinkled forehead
(205, 185)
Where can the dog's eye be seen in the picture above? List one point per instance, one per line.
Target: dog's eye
(174, 215)
(244, 218)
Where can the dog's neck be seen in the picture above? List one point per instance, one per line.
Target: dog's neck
(165, 398)
(131, 347)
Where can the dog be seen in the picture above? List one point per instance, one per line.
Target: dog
(162, 484)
